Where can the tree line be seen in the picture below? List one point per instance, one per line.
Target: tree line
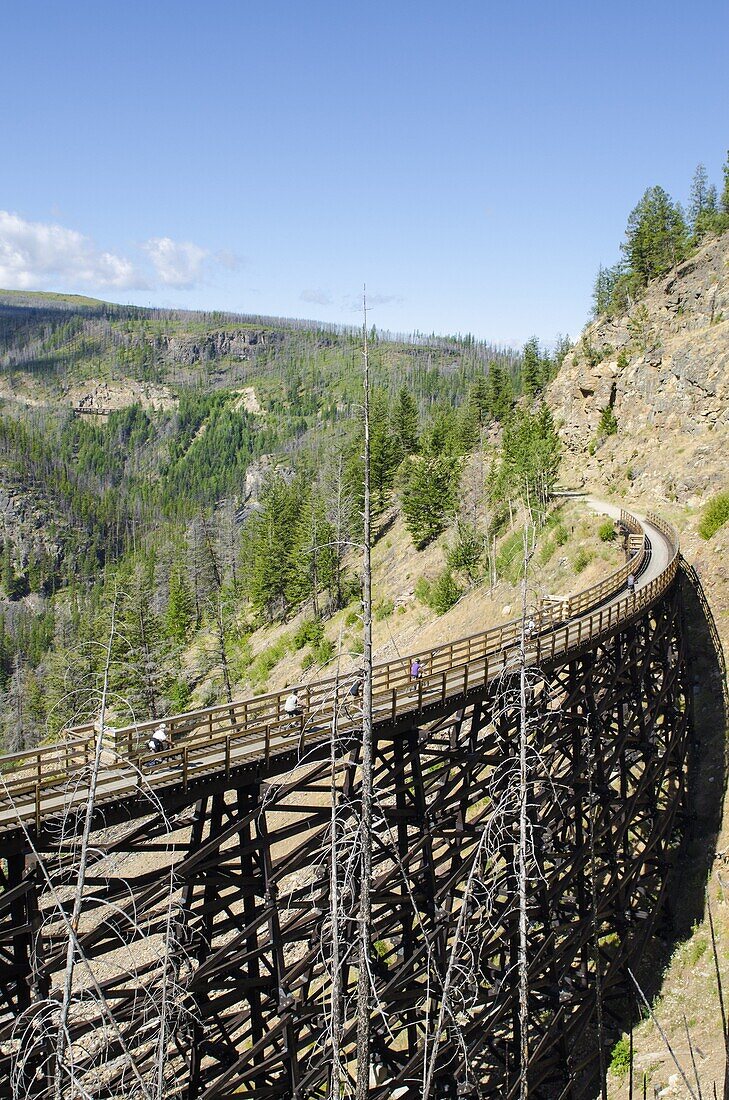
(658, 235)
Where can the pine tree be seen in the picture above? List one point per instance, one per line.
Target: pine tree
(139, 668)
(429, 497)
(478, 399)
(500, 392)
(529, 459)
(180, 614)
(273, 548)
(384, 451)
(405, 421)
(531, 372)
(704, 216)
(699, 195)
(656, 236)
(604, 289)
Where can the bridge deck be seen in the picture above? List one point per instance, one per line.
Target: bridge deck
(38, 785)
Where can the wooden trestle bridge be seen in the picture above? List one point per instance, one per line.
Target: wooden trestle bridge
(206, 935)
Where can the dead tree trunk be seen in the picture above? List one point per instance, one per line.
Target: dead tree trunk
(365, 828)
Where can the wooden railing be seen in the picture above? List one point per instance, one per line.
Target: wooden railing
(217, 739)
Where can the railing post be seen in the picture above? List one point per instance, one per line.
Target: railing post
(227, 755)
(420, 694)
(184, 768)
(37, 809)
(444, 674)
(394, 704)
(267, 734)
(465, 679)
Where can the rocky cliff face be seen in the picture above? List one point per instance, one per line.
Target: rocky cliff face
(663, 367)
(210, 346)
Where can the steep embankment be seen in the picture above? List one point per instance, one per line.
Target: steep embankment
(663, 370)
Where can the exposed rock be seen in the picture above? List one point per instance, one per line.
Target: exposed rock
(228, 344)
(671, 400)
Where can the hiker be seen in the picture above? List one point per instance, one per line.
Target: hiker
(631, 584)
(416, 669)
(355, 689)
(353, 696)
(292, 706)
(159, 739)
(530, 628)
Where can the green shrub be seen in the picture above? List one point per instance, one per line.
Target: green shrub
(608, 422)
(620, 1058)
(383, 610)
(581, 560)
(606, 531)
(554, 517)
(546, 550)
(320, 653)
(510, 556)
(180, 695)
(352, 618)
(695, 949)
(311, 631)
(422, 590)
(561, 534)
(466, 551)
(714, 515)
(445, 593)
(266, 661)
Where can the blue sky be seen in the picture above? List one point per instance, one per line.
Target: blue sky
(472, 162)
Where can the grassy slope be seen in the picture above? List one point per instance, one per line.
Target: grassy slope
(403, 624)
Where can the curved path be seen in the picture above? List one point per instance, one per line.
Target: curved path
(256, 734)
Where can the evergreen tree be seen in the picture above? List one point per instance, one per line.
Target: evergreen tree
(467, 429)
(429, 497)
(725, 189)
(180, 614)
(272, 563)
(313, 556)
(699, 197)
(604, 289)
(405, 421)
(500, 392)
(478, 399)
(531, 369)
(529, 459)
(656, 236)
(441, 435)
(139, 671)
(385, 453)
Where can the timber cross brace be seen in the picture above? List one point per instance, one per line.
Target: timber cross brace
(209, 931)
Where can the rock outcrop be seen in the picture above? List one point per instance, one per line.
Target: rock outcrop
(663, 367)
(210, 346)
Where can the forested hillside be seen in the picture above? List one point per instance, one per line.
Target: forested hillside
(193, 476)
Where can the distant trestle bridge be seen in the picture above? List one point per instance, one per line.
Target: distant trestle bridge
(207, 927)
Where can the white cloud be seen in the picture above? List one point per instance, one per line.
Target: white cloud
(316, 297)
(38, 255)
(176, 263)
(354, 305)
(227, 259)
